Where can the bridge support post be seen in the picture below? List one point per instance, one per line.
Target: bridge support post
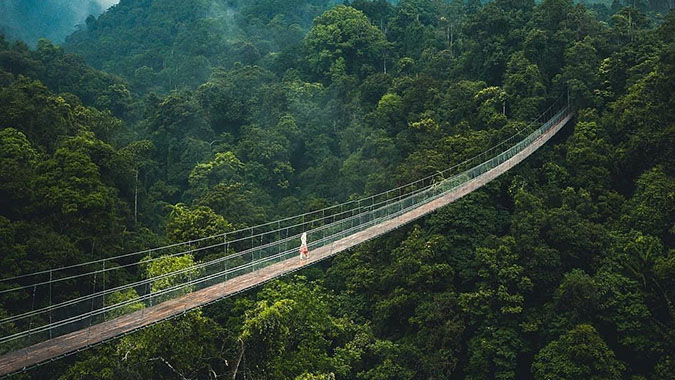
(103, 274)
(50, 302)
(261, 250)
(279, 250)
(360, 213)
(188, 290)
(91, 313)
(30, 320)
(147, 294)
(225, 255)
(252, 253)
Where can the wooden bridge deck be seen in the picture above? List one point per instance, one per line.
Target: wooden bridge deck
(65, 344)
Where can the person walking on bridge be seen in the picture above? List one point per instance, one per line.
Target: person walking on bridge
(304, 252)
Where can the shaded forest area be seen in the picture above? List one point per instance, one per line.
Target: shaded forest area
(164, 121)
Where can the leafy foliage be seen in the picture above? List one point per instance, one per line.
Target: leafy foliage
(232, 113)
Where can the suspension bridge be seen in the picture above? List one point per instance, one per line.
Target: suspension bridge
(43, 324)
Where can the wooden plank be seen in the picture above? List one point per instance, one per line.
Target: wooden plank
(62, 345)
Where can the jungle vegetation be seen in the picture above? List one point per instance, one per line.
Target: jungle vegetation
(166, 120)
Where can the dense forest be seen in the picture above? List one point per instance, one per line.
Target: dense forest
(167, 120)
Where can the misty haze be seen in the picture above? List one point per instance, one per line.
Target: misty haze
(30, 20)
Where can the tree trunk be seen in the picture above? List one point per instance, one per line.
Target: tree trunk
(136, 199)
(241, 355)
(452, 41)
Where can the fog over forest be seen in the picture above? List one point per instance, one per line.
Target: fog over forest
(30, 20)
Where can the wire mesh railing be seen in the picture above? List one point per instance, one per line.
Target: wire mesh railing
(221, 257)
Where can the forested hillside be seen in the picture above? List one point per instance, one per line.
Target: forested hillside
(167, 120)
(176, 44)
